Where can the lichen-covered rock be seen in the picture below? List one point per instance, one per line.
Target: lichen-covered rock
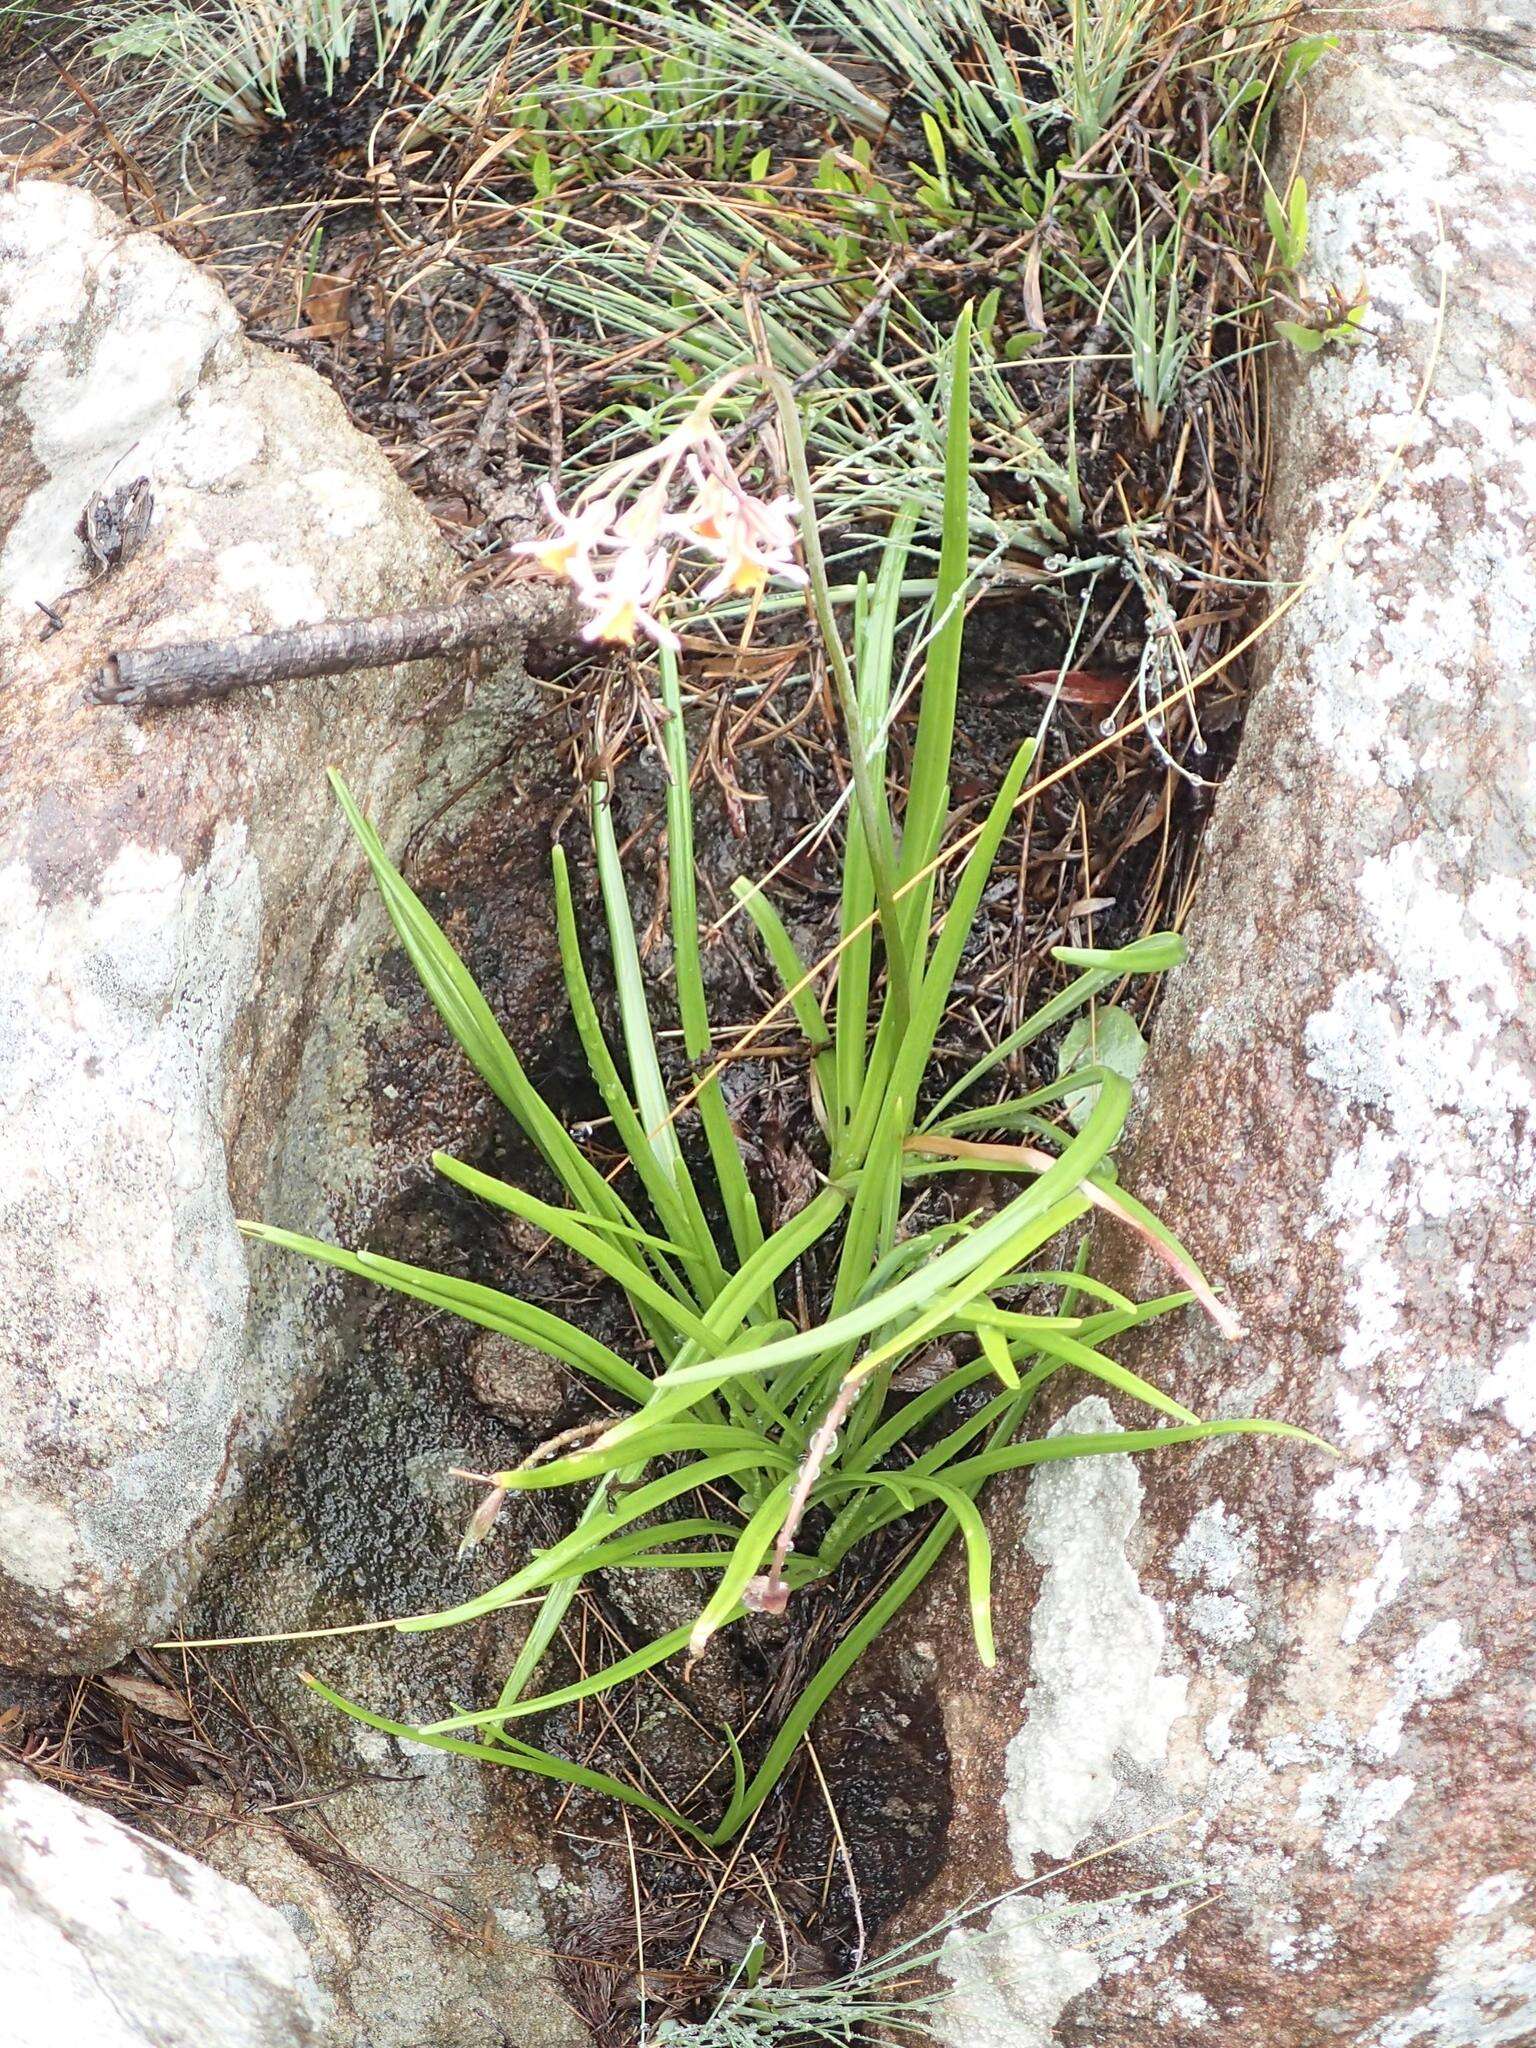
(187, 951)
(112, 1939)
(1312, 1680)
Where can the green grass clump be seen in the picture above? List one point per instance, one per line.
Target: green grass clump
(747, 1444)
(251, 62)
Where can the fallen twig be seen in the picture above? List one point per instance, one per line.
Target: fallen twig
(868, 313)
(199, 670)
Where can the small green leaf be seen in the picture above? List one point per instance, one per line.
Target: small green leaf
(1109, 1038)
(1306, 340)
(935, 137)
(1298, 221)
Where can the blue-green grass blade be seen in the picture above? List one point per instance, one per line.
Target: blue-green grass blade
(1120, 1377)
(994, 1348)
(1018, 1111)
(959, 920)
(604, 1680)
(545, 1625)
(773, 1257)
(876, 619)
(928, 800)
(825, 1680)
(978, 1553)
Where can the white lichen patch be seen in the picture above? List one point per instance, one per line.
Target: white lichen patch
(1441, 1122)
(1098, 1711)
(1352, 1813)
(1436, 1666)
(1217, 1547)
(1216, 1555)
(1096, 1647)
(346, 503)
(1303, 1950)
(1510, 1385)
(1482, 1994)
(1414, 1045)
(1384, 1506)
(286, 592)
(1495, 1894)
(1459, 1480)
(1011, 1980)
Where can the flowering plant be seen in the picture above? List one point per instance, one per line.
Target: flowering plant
(619, 543)
(791, 1388)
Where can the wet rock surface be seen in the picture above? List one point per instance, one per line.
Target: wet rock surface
(420, 1884)
(114, 1939)
(188, 999)
(1311, 1679)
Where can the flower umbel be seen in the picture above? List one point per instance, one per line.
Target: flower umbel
(618, 545)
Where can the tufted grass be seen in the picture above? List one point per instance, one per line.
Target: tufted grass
(252, 64)
(745, 1439)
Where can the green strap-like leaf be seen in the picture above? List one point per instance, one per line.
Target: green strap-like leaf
(618, 1514)
(468, 1016)
(487, 1306)
(730, 1172)
(1151, 955)
(654, 1177)
(790, 969)
(1046, 1450)
(520, 1756)
(928, 800)
(570, 1228)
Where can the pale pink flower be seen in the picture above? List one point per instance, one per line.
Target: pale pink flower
(619, 561)
(752, 539)
(623, 605)
(567, 551)
(641, 525)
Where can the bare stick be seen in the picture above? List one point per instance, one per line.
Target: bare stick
(198, 670)
(895, 277)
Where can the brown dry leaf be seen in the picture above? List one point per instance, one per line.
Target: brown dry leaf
(143, 1692)
(325, 304)
(1097, 689)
